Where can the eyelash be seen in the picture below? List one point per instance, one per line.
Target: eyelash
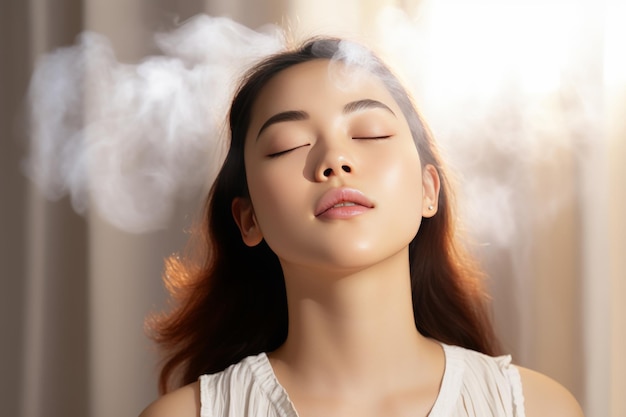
(373, 137)
(277, 154)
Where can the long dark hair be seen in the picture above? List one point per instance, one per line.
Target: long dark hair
(232, 302)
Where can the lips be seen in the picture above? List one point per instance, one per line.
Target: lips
(344, 202)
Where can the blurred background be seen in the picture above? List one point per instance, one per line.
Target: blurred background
(528, 101)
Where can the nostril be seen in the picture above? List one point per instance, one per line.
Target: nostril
(329, 171)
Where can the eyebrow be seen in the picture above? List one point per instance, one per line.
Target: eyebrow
(365, 104)
(286, 116)
(297, 115)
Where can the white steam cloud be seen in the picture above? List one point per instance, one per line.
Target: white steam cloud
(131, 140)
(511, 98)
(349, 64)
(503, 101)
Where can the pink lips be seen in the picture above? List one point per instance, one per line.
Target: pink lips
(342, 203)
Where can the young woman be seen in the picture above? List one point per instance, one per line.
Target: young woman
(333, 283)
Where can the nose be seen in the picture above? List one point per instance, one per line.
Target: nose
(333, 162)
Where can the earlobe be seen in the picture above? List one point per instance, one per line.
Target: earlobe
(244, 216)
(430, 194)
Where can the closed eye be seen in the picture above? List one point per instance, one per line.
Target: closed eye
(277, 154)
(372, 137)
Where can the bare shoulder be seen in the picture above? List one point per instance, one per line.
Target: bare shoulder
(544, 396)
(183, 402)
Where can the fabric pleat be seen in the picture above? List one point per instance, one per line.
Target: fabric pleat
(473, 385)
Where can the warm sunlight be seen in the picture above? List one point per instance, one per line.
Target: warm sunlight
(615, 50)
(477, 48)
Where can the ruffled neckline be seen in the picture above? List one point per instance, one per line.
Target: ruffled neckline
(449, 391)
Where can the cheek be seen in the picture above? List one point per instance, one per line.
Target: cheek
(275, 197)
(403, 182)
(402, 172)
(405, 178)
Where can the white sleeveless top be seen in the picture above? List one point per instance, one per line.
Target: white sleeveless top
(473, 385)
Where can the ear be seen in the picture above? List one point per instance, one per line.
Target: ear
(430, 191)
(244, 216)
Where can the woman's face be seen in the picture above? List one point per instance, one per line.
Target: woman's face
(334, 176)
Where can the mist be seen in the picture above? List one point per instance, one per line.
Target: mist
(514, 97)
(130, 140)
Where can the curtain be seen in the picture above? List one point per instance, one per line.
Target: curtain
(75, 290)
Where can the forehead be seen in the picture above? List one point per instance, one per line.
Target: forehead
(319, 85)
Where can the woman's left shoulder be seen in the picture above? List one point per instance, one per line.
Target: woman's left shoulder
(544, 396)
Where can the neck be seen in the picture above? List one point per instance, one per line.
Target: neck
(353, 328)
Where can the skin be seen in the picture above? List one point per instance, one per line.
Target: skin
(347, 279)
